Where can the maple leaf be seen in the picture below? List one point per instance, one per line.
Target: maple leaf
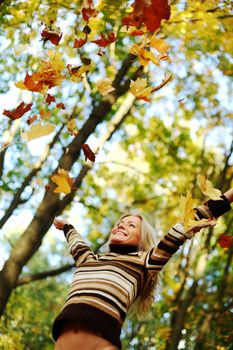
(71, 125)
(63, 180)
(79, 43)
(18, 112)
(159, 44)
(140, 89)
(30, 120)
(207, 188)
(60, 105)
(105, 40)
(37, 130)
(149, 12)
(225, 241)
(50, 98)
(88, 12)
(105, 86)
(53, 35)
(144, 56)
(77, 73)
(89, 154)
(187, 211)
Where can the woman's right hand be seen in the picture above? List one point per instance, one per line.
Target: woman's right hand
(59, 223)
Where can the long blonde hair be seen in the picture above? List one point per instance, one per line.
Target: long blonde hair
(148, 240)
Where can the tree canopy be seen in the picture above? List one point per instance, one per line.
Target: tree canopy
(108, 108)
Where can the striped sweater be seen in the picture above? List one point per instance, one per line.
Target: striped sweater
(105, 286)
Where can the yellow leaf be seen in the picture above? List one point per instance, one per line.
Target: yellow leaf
(140, 89)
(207, 188)
(187, 211)
(37, 130)
(144, 56)
(63, 180)
(105, 86)
(56, 61)
(159, 44)
(71, 125)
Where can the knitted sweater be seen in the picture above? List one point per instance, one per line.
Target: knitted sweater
(105, 286)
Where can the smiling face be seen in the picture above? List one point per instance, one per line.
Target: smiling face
(127, 231)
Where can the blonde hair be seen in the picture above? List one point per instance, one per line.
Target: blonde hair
(148, 241)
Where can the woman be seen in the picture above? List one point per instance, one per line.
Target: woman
(105, 287)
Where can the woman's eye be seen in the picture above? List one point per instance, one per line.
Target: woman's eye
(132, 225)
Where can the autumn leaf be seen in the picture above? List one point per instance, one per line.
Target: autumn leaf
(71, 125)
(207, 188)
(50, 98)
(151, 13)
(37, 130)
(77, 73)
(19, 111)
(144, 56)
(104, 41)
(88, 12)
(159, 44)
(31, 120)
(140, 89)
(60, 105)
(225, 241)
(79, 43)
(187, 211)
(105, 86)
(54, 36)
(63, 180)
(89, 154)
(45, 114)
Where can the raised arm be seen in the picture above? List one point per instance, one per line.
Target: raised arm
(177, 235)
(77, 247)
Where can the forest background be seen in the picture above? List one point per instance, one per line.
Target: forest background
(151, 141)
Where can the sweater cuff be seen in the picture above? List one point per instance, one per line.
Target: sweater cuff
(215, 208)
(67, 227)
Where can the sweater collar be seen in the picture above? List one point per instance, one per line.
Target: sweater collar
(123, 249)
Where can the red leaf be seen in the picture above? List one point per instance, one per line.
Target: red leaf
(104, 40)
(18, 112)
(89, 154)
(79, 43)
(150, 13)
(225, 241)
(60, 105)
(137, 32)
(51, 35)
(30, 120)
(88, 12)
(49, 99)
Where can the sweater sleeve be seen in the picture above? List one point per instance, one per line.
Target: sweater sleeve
(176, 236)
(77, 247)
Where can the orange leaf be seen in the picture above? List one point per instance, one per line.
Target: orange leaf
(105, 40)
(89, 154)
(63, 180)
(150, 13)
(225, 241)
(52, 35)
(88, 12)
(30, 120)
(18, 112)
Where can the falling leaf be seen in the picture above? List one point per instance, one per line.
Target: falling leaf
(48, 76)
(140, 89)
(63, 180)
(144, 56)
(18, 112)
(151, 13)
(45, 114)
(18, 49)
(50, 98)
(89, 154)
(207, 188)
(77, 73)
(88, 12)
(79, 43)
(225, 241)
(105, 40)
(60, 105)
(71, 125)
(105, 86)
(54, 36)
(187, 211)
(30, 120)
(159, 44)
(37, 130)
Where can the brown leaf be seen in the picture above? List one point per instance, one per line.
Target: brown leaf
(18, 112)
(225, 241)
(30, 120)
(54, 36)
(105, 40)
(89, 154)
